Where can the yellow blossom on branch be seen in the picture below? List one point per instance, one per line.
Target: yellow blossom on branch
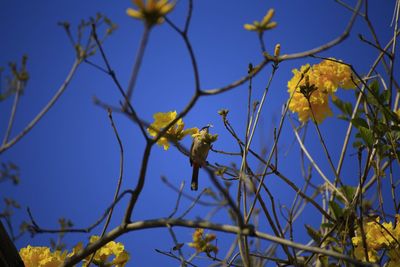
(326, 77)
(394, 255)
(202, 243)
(41, 257)
(152, 12)
(264, 24)
(175, 133)
(378, 236)
(331, 75)
(398, 113)
(359, 253)
(111, 254)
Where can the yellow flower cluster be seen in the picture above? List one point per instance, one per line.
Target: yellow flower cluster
(378, 236)
(43, 257)
(327, 77)
(264, 24)
(175, 133)
(152, 12)
(202, 243)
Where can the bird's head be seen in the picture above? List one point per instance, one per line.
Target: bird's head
(206, 128)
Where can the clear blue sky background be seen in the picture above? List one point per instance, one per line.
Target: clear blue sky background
(69, 161)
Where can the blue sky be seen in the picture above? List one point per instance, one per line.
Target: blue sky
(69, 161)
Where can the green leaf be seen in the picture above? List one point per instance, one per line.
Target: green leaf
(343, 117)
(314, 234)
(348, 191)
(385, 96)
(357, 144)
(367, 135)
(323, 260)
(337, 249)
(374, 86)
(359, 122)
(327, 225)
(345, 107)
(336, 209)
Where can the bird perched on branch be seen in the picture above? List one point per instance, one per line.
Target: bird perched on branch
(199, 152)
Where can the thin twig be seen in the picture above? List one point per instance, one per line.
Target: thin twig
(45, 109)
(177, 245)
(113, 76)
(316, 167)
(137, 64)
(169, 254)
(13, 111)
(355, 110)
(35, 228)
(178, 200)
(190, 197)
(119, 181)
(195, 201)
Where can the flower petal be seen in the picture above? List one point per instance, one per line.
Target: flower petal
(250, 27)
(268, 17)
(134, 13)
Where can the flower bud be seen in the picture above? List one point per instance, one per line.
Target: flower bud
(277, 50)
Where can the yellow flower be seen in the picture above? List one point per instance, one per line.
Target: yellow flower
(41, 257)
(264, 24)
(378, 236)
(175, 133)
(331, 74)
(78, 247)
(359, 253)
(394, 255)
(396, 230)
(152, 12)
(398, 113)
(103, 255)
(121, 259)
(112, 248)
(327, 77)
(202, 243)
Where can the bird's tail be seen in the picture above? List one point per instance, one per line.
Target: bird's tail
(195, 177)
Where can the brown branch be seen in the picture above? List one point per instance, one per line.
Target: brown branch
(161, 223)
(271, 58)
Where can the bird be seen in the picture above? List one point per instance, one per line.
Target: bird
(198, 154)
